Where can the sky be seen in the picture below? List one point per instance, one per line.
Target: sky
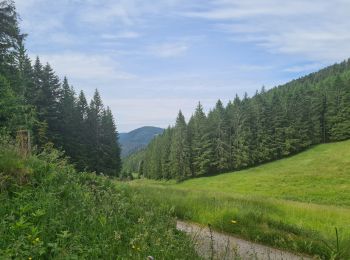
(150, 58)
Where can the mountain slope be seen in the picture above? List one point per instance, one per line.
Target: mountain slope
(137, 139)
(320, 175)
(293, 203)
(250, 131)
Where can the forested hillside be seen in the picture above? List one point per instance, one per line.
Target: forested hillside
(137, 139)
(294, 203)
(32, 97)
(252, 130)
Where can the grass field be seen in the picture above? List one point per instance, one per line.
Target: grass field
(294, 203)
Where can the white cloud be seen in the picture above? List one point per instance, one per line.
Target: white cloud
(121, 35)
(96, 43)
(304, 68)
(62, 38)
(234, 9)
(126, 12)
(131, 111)
(316, 30)
(83, 66)
(168, 50)
(105, 13)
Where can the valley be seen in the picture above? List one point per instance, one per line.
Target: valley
(294, 203)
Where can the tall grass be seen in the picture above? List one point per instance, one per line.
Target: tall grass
(295, 203)
(54, 212)
(320, 175)
(294, 226)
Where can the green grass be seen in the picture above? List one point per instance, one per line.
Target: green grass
(294, 203)
(49, 211)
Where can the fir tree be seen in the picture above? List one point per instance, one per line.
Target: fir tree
(179, 153)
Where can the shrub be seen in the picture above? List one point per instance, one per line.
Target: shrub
(57, 213)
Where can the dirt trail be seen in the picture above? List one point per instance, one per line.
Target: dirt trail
(227, 247)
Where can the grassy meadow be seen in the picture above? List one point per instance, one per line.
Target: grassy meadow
(295, 203)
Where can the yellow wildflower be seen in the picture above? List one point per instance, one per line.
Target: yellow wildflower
(233, 221)
(30, 258)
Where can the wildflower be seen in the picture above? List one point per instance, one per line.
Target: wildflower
(138, 249)
(30, 258)
(150, 257)
(36, 240)
(233, 221)
(117, 235)
(133, 246)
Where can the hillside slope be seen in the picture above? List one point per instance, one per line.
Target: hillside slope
(294, 203)
(320, 175)
(137, 139)
(250, 131)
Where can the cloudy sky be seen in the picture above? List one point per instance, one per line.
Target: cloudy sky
(150, 58)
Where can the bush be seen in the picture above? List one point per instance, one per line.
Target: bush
(57, 213)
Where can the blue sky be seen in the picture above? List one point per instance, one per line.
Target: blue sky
(150, 58)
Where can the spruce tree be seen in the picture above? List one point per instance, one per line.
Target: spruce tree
(94, 130)
(67, 121)
(80, 118)
(110, 146)
(48, 103)
(11, 116)
(201, 143)
(10, 41)
(218, 130)
(179, 153)
(341, 122)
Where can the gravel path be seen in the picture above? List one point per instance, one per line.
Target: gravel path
(229, 247)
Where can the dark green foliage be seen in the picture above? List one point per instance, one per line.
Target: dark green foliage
(200, 154)
(48, 102)
(111, 163)
(179, 149)
(32, 97)
(68, 123)
(268, 126)
(50, 211)
(9, 106)
(80, 118)
(102, 147)
(10, 40)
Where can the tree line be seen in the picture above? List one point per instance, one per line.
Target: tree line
(253, 130)
(33, 97)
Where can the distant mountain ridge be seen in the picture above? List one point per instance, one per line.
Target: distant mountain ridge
(137, 139)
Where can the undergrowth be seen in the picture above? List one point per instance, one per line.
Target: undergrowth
(49, 211)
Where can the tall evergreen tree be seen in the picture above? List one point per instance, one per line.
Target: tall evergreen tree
(110, 146)
(94, 121)
(10, 107)
(218, 130)
(201, 143)
(179, 153)
(67, 121)
(80, 118)
(48, 102)
(10, 41)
